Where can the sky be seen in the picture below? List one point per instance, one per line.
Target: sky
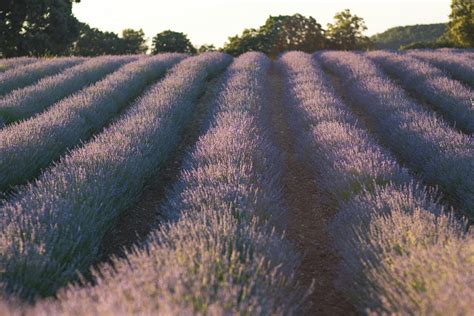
(213, 21)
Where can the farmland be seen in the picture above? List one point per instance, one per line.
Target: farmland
(336, 183)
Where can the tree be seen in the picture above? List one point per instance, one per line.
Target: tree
(170, 41)
(206, 48)
(428, 45)
(36, 27)
(461, 23)
(133, 42)
(395, 37)
(347, 32)
(293, 32)
(93, 42)
(278, 34)
(250, 40)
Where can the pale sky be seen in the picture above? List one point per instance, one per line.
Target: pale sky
(211, 21)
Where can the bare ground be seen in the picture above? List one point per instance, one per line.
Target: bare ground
(309, 215)
(135, 224)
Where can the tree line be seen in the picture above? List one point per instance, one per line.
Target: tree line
(48, 27)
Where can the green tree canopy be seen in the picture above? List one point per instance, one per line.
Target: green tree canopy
(250, 40)
(395, 37)
(461, 23)
(93, 42)
(278, 34)
(206, 48)
(36, 27)
(293, 32)
(133, 42)
(170, 41)
(347, 32)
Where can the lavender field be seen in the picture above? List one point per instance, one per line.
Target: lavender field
(338, 183)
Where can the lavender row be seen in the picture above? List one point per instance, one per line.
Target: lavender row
(400, 253)
(10, 63)
(53, 227)
(441, 155)
(23, 103)
(217, 256)
(20, 77)
(459, 65)
(449, 97)
(33, 144)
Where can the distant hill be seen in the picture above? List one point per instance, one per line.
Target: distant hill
(395, 37)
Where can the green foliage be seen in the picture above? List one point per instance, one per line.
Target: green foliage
(93, 42)
(170, 41)
(250, 40)
(206, 48)
(347, 32)
(427, 45)
(421, 34)
(461, 24)
(279, 34)
(133, 42)
(293, 32)
(36, 27)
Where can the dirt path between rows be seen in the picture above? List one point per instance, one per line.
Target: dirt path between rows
(137, 222)
(308, 216)
(370, 126)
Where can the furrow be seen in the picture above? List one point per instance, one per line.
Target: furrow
(29, 146)
(20, 77)
(20, 104)
(217, 255)
(135, 224)
(52, 228)
(401, 252)
(440, 155)
(458, 65)
(10, 63)
(309, 214)
(432, 86)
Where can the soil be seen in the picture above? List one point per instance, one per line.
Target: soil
(367, 123)
(309, 214)
(135, 224)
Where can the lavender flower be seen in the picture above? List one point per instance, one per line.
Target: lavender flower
(32, 145)
(19, 77)
(23, 103)
(459, 64)
(393, 238)
(53, 227)
(10, 63)
(448, 97)
(438, 153)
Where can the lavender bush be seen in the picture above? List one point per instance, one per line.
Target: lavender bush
(441, 155)
(220, 249)
(392, 237)
(217, 256)
(403, 257)
(447, 96)
(459, 65)
(33, 144)
(53, 227)
(23, 103)
(20, 77)
(10, 63)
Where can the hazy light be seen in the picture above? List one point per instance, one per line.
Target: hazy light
(210, 21)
